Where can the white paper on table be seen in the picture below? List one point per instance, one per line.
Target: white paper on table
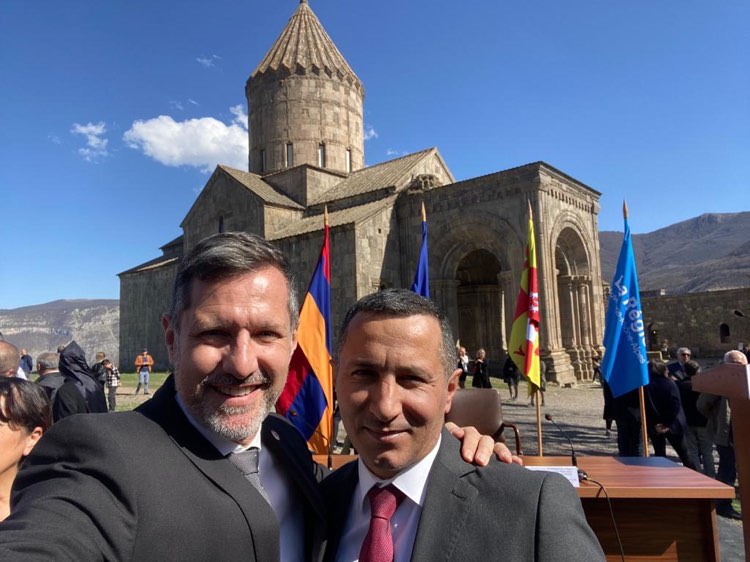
(569, 472)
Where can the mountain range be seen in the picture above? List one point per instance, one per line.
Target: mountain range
(706, 253)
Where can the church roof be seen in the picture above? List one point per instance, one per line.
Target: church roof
(255, 184)
(392, 173)
(304, 44)
(335, 218)
(155, 263)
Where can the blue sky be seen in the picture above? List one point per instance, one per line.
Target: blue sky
(113, 113)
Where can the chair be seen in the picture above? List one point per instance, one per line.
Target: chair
(482, 408)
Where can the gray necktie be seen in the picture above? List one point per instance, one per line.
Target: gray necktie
(247, 463)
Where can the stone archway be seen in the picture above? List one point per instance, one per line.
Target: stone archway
(574, 292)
(479, 298)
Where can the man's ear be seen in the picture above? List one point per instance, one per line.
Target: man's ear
(170, 335)
(452, 387)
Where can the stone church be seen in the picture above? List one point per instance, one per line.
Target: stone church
(305, 107)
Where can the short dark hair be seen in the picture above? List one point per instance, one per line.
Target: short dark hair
(48, 360)
(24, 405)
(692, 368)
(657, 368)
(401, 303)
(223, 256)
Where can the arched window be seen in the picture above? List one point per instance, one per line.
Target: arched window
(348, 160)
(221, 224)
(262, 160)
(321, 155)
(289, 155)
(724, 333)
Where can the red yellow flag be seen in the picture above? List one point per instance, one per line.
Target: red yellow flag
(524, 336)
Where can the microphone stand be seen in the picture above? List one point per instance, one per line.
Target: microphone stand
(581, 474)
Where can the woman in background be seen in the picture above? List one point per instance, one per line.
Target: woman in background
(25, 415)
(481, 377)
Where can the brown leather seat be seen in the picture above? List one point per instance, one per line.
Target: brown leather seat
(482, 408)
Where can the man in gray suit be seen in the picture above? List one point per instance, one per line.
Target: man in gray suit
(410, 496)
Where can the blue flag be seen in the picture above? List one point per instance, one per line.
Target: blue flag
(624, 365)
(421, 284)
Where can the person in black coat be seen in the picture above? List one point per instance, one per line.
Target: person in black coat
(74, 368)
(664, 415)
(481, 378)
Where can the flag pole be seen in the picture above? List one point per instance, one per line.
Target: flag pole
(641, 396)
(537, 399)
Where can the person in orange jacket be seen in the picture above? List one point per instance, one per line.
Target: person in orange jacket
(143, 365)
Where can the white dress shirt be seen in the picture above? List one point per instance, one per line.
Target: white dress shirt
(404, 523)
(276, 483)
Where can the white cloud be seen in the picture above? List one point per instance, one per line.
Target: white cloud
(192, 102)
(177, 105)
(96, 143)
(52, 137)
(370, 132)
(394, 152)
(208, 60)
(201, 143)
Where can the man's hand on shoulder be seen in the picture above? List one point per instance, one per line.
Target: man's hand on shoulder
(477, 448)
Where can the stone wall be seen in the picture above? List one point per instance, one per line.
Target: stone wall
(699, 320)
(223, 198)
(144, 297)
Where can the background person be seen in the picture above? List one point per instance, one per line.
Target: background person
(698, 442)
(677, 368)
(27, 363)
(481, 378)
(719, 426)
(113, 381)
(463, 364)
(63, 394)
(10, 360)
(664, 415)
(24, 416)
(511, 376)
(143, 365)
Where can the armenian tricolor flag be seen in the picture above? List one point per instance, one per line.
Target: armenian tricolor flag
(307, 399)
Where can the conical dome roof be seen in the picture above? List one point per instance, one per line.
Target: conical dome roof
(304, 46)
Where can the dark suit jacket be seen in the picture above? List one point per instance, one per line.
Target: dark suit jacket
(145, 485)
(499, 512)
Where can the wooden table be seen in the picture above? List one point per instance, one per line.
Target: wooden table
(663, 511)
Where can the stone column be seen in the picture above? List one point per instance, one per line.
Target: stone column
(445, 296)
(585, 326)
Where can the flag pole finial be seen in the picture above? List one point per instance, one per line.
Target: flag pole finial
(325, 215)
(424, 213)
(625, 209)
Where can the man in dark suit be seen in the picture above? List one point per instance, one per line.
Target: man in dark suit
(410, 496)
(160, 483)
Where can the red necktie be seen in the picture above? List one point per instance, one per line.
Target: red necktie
(378, 545)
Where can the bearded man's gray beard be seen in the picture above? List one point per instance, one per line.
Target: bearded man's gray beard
(216, 419)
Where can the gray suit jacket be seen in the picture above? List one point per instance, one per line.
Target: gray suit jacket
(145, 485)
(499, 512)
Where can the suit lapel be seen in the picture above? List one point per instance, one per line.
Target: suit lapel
(338, 490)
(448, 500)
(260, 517)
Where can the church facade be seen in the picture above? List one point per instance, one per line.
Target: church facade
(305, 108)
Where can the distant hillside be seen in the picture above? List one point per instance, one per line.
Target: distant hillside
(707, 253)
(94, 324)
